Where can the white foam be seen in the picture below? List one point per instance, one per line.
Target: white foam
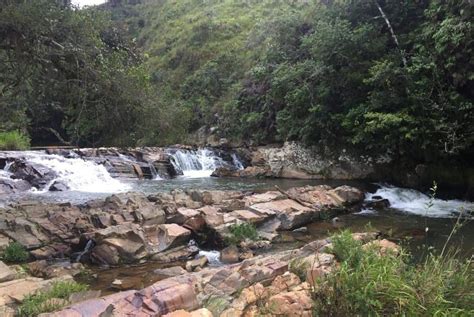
(415, 202)
(196, 164)
(78, 174)
(212, 256)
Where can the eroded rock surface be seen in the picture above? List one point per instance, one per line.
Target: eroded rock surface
(261, 286)
(130, 228)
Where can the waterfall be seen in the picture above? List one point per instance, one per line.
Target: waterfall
(237, 162)
(193, 164)
(89, 245)
(5, 172)
(212, 256)
(415, 202)
(77, 174)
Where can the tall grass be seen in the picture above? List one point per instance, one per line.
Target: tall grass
(368, 284)
(51, 300)
(14, 140)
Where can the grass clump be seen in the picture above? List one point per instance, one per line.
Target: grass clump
(370, 284)
(241, 232)
(14, 140)
(298, 267)
(15, 253)
(51, 300)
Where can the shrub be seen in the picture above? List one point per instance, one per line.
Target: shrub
(241, 232)
(298, 267)
(48, 301)
(15, 253)
(368, 284)
(14, 140)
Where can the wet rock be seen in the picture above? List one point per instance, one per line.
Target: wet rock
(256, 172)
(348, 195)
(58, 186)
(170, 272)
(230, 254)
(6, 273)
(9, 186)
(182, 253)
(35, 174)
(378, 203)
(121, 285)
(197, 263)
(225, 172)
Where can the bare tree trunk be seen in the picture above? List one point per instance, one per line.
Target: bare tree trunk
(56, 134)
(394, 36)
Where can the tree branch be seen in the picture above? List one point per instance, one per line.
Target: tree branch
(394, 36)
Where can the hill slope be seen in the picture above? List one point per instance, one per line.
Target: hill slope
(380, 76)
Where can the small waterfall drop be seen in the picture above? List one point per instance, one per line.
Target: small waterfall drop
(415, 202)
(212, 256)
(237, 162)
(5, 172)
(78, 174)
(194, 164)
(89, 246)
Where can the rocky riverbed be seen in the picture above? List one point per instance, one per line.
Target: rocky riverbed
(133, 228)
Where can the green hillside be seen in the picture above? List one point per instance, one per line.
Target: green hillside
(324, 72)
(199, 52)
(379, 77)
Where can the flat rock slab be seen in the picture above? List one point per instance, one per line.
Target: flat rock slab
(6, 273)
(279, 207)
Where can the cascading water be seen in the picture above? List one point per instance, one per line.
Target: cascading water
(212, 256)
(415, 202)
(199, 163)
(5, 172)
(237, 163)
(77, 174)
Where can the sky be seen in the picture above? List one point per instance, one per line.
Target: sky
(82, 3)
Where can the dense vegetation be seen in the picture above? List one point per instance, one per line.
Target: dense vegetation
(368, 284)
(379, 76)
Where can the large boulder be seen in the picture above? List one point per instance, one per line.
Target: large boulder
(37, 175)
(167, 236)
(124, 243)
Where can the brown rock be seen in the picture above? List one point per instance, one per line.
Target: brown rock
(171, 271)
(230, 254)
(6, 273)
(383, 246)
(297, 303)
(167, 236)
(203, 312)
(200, 262)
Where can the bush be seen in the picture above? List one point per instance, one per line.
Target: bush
(368, 284)
(15, 253)
(241, 232)
(51, 300)
(14, 140)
